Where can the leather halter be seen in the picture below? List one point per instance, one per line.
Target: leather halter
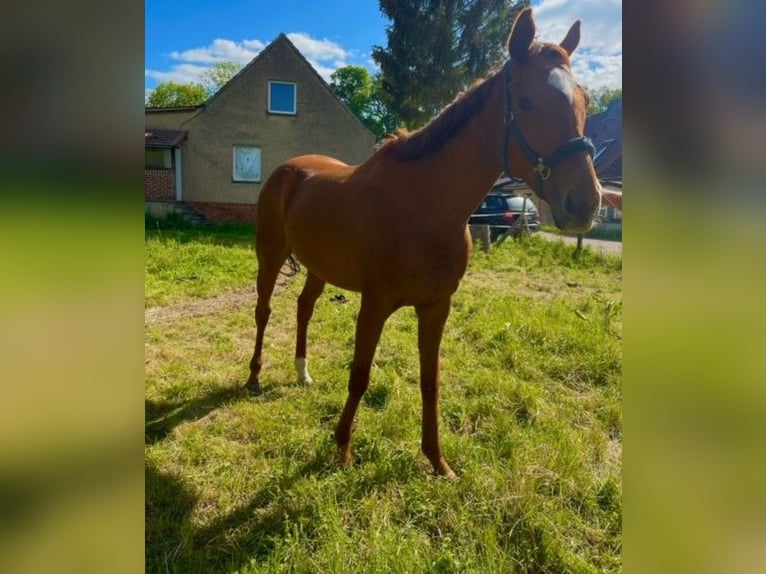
(541, 166)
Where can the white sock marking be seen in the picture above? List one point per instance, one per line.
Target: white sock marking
(301, 366)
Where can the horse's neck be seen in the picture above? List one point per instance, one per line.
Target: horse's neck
(464, 170)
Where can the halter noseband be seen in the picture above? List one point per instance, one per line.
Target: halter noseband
(541, 166)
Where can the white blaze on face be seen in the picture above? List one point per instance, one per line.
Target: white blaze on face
(563, 81)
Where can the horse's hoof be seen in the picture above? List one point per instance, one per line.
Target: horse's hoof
(450, 475)
(305, 381)
(253, 389)
(443, 470)
(344, 458)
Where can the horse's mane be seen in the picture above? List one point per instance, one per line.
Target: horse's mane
(431, 138)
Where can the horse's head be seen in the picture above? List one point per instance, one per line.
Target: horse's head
(545, 111)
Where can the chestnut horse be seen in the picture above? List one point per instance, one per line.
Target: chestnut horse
(364, 228)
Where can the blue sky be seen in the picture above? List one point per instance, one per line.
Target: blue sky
(183, 39)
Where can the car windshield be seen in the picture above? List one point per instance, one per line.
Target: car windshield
(516, 203)
(493, 202)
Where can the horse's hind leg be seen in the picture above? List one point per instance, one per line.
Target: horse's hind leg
(270, 260)
(306, 300)
(369, 325)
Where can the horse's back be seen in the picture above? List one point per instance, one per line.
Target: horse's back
(314, 163)
(307, 205)
(286, 182)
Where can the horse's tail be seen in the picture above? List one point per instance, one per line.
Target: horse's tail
(294, 265)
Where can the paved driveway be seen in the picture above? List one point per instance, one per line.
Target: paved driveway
(602, 245)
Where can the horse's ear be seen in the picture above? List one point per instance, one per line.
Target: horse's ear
(569, 43)
(522, 35)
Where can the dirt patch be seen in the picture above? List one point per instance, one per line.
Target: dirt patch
(200, 307)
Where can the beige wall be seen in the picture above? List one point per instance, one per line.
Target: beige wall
(170, 120)
(238, 115)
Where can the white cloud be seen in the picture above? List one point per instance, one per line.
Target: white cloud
(181, 73)
(318, 50)
(324, 71)
(221, 49)
(597, 62)
(324, 55)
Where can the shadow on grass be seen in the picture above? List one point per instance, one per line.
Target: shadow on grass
(182, 232)
(174, 543)
(160, 418)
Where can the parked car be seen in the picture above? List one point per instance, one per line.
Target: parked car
(502, 212)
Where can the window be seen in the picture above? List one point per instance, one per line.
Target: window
(494, 202)
(282, 97)
(156, 158)
(247, 163)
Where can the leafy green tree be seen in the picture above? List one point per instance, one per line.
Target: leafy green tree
(601, 98)
(172, 94)
(437, 48)
(353, 85)
(363, 95)
(221, 72)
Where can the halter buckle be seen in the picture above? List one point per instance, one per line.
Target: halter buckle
(542, 170)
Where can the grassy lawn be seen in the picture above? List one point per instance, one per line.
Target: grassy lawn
(182, 261)
(530, 410)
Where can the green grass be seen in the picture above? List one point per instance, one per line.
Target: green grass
(530, 411)
(182, 261)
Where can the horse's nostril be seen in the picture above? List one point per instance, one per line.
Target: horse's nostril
(569, 205)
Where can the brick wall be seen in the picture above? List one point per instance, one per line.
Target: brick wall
(225, 212)
(158, 185)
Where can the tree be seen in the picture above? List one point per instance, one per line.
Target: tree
(215, 77)
(601, 98)
(362, 94)
(353, 85)
(171, 94)
(437, 48)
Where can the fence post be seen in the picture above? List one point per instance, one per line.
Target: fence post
(481, 233)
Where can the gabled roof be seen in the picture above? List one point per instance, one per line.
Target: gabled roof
(173, 109)
(163, 138)
(605, 129)
(247, 66)
(283, 39)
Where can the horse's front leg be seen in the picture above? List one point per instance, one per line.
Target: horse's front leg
(431, 320)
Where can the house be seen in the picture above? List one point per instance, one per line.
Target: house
(605, 129)
(215, 157)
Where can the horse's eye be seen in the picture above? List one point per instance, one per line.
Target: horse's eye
(525, 104)
(554, 55)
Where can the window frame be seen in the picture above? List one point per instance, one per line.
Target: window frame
(151, 154)
(295, 98)
(236, 175)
